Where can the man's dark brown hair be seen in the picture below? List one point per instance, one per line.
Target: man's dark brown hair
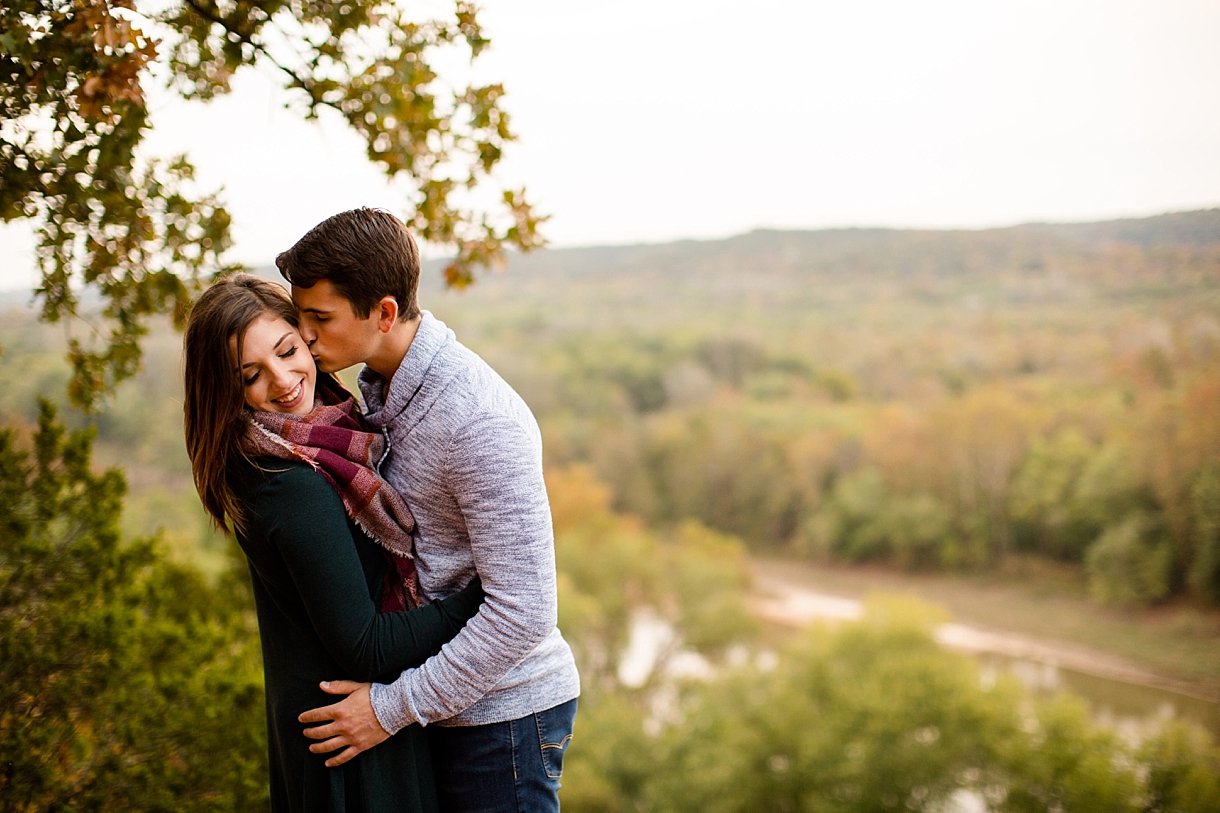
(367, 254)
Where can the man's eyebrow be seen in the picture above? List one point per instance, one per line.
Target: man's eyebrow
(276, 347)
(315, 310)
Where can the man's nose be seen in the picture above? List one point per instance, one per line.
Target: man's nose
(308, 334)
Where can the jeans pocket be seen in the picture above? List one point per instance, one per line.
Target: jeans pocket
(554, 736)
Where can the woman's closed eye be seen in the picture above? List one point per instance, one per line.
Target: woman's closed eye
(289, 353)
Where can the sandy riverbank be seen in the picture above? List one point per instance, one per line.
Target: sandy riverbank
(1041, 627)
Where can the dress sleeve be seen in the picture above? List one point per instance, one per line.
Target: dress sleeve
(305, 521)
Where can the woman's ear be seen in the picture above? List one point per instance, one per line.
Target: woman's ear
(387, 313)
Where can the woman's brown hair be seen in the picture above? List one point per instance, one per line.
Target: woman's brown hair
(214, 390)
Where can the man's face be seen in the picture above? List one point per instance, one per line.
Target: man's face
(337, 338)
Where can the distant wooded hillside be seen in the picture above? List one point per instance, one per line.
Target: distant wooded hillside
(927, 399)
(795, 278)
(950, 252)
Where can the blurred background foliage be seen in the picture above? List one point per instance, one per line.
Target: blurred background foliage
(143, 691)
(133, 230)
(922, 400)
(1035, 399)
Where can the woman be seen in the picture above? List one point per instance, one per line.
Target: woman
(278, 453)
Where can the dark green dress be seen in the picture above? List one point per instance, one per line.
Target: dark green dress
(316, 580)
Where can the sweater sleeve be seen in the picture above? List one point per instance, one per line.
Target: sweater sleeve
(494, 469)
(305, 521)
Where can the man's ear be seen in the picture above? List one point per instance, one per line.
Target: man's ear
(387, 313)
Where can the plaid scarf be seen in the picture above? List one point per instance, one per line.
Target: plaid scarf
(334, 442)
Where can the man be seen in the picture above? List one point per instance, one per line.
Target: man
(466, 455)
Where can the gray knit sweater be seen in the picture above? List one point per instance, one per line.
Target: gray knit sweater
(466, 454)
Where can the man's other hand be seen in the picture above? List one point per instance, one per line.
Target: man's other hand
(350, 722)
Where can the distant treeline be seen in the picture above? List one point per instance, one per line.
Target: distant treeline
(931, 400)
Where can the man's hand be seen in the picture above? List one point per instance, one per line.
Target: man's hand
(353, 722)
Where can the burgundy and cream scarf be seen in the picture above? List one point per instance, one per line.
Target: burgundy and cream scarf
(333, 441)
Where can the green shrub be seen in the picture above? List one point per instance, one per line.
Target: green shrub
(862, 521)
(1130, 564)
(1058, 759)
(1183, 771)
(874, 716)
(1205, 570)
(1040, 502)
(722, 470)
(1066, 491)
(846, 527)
(609, 566)
(126, 682)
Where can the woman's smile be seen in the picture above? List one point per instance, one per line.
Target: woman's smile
(278, 374)
(293, 398)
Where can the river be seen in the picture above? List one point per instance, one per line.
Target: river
(1121, 694)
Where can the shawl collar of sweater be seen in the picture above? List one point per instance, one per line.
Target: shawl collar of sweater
(414, 384)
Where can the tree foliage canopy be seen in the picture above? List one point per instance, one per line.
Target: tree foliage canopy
(129, 682)
(73, 115)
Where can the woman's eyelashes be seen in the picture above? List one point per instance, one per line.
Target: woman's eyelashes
(289, 353)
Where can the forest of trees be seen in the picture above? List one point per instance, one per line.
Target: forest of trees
(134, 683)
(937, 401)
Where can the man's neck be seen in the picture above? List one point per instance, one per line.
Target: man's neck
(394, 347)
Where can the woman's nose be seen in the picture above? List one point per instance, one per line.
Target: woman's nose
(281, 376)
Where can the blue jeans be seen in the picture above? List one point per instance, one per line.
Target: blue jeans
(511, 767)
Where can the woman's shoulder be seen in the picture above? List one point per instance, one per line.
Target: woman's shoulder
(269, 482)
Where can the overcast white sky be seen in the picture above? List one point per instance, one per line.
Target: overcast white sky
(651, 121)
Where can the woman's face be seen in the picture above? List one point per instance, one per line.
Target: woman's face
(276, 369)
